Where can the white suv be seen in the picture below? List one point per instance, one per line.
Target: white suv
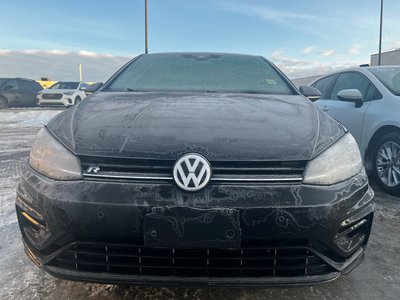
(65, 93)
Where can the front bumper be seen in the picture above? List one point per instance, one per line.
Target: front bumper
(65, 101)
(305, 234)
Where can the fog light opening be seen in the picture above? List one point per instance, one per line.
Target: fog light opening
(357, 228)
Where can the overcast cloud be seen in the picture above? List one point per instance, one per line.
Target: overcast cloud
(63, 65)
(59, 65)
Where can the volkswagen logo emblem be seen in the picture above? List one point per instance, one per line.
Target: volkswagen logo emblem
(192, 172)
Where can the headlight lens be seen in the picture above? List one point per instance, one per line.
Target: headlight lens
(337, 163)
(68, 93)
(49, 157)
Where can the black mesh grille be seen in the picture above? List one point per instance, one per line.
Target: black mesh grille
(51, 96)
(246, 262)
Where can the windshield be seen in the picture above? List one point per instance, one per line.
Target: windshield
(201, 73)
(2, 80)
(390, 77)
(61, 85)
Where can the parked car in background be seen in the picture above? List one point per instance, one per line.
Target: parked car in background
(366, 101)
(18, 92)
(67, 93)
(196, 169)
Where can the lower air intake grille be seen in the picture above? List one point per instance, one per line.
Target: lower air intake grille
(52, 96)
(135, 260)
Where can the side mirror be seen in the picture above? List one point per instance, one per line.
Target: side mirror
(93, 88)
(351, 95)
(310, 92)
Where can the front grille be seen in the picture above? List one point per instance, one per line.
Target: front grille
(222, 171)
(137, 260)
(51, 96)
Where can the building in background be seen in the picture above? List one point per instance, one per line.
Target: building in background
(387, 58)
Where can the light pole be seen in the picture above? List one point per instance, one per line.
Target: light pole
(80, 72)
(146, 42)
(380, 36)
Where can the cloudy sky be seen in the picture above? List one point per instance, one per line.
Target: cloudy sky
(303, 37)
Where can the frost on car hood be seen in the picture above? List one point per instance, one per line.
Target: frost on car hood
(218, 126)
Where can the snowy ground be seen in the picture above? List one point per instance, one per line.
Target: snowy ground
(377, 278)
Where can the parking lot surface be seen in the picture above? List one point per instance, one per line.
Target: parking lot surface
(378, 277)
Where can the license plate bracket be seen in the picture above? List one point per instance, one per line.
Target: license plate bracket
(192, 227)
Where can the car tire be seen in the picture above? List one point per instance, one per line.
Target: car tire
(3, 103)
(77, 100)
(386, 163)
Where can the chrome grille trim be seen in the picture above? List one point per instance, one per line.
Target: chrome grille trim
(234, 172)
(170, 178)
(132, 177)
(258, 179)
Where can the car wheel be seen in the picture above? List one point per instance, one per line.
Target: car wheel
(77, 100)
(3, 103)
(386, 163)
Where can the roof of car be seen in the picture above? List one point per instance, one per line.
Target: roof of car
(359, 69)
(198, 54)
(381, 67)
(8, 78)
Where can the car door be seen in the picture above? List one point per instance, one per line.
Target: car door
(28, 92)
(347, 113)
(34, 89)
(324, 85)
(12, 92)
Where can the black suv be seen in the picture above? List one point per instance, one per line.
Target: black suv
(18, 92)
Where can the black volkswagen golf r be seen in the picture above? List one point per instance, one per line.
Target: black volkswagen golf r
(195, 169)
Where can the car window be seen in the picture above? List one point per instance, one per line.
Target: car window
(324, 85)
(372, 93)
(37, 86)
(390, 77)
(12, 83)
(201, 73)
(83, 86)
(25, 84)
(350, 80)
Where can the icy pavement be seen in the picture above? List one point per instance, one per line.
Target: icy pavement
(378, 277)
(26, 118)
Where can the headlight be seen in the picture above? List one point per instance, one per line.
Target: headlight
(337, 163)
(68, 93)
(49, 157)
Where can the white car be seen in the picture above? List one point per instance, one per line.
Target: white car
(367, 102)
(67, 93)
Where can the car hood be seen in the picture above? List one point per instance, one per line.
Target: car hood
(54, 91)
(218, 126)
